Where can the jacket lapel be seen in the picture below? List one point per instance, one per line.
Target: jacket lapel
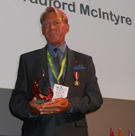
(44, 66)
(70, 66)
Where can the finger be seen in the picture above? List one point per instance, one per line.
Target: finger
(55, 106)
(49, 107)
(55, 103)
(49, 111)
(59, 100)
(34, 99)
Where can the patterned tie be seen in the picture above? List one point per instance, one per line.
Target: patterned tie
(57, 63)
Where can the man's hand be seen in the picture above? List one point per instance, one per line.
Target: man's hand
(53, 106)
(34, 107)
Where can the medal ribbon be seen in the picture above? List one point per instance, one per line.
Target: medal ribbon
(52, 66)
(76, 74)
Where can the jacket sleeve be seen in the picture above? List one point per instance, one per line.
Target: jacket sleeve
(19, 102)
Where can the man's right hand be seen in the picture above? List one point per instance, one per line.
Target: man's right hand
(34, 107)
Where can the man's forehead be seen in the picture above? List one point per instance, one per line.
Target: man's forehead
(52, 17)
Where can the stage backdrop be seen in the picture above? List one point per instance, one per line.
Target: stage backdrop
(103, 29)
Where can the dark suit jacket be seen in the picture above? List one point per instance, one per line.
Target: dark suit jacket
(84, 98)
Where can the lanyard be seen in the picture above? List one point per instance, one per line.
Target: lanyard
(52, 66)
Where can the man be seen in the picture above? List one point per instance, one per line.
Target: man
(62, 116)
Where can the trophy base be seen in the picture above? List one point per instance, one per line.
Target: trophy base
(42, 101)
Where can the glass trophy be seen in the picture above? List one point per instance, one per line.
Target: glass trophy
(41, 98)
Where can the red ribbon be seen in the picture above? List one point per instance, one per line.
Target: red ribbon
(76, 74)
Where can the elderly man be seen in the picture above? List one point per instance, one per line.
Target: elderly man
(72, 72)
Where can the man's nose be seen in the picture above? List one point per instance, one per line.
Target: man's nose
(52, 26)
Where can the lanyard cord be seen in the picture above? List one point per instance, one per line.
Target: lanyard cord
(52, 66)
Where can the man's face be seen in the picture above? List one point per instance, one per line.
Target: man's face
(54, 29)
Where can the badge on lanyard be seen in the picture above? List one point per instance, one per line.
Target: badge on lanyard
(60, 91)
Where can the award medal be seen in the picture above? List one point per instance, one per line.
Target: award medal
(76, 83)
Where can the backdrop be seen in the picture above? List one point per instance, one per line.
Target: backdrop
(103, 29)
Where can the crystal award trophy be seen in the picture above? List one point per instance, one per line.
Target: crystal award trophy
(41, 98)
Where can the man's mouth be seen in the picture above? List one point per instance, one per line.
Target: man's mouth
(52, 34)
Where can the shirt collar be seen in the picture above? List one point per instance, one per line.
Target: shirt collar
(51, 48)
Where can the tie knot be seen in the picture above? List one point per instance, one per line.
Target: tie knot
(56, 49)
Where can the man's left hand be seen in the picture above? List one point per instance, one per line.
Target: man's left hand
(55, 106)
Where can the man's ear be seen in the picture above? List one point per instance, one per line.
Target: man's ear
(42, 30)
(67, 28)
